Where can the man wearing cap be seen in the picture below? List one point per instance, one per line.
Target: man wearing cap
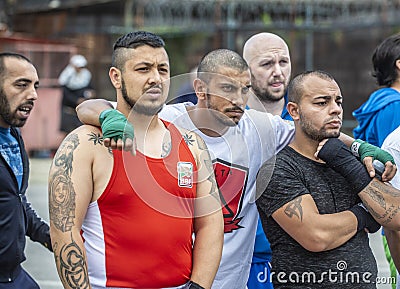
(75, 81)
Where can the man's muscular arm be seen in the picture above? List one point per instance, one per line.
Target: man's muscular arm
(382, 200)
(208, 221)
(70, 181)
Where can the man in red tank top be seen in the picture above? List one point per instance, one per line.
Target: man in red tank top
(128, 221)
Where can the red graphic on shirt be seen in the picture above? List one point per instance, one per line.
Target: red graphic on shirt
(231, 182)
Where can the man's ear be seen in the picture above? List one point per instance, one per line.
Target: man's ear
(293, 110)
(200, 87)
(398, 64)
(115, 77)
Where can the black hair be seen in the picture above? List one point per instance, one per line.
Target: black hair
(133, 40)
(296, 87)
(384, 60)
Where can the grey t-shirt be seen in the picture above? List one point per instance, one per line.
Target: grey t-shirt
(351, 265)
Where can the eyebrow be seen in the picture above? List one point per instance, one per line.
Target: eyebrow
(151, 64)
(325, 97)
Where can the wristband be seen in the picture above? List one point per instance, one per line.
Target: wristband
(364, 219)
(362, 149)
(114, 125)
(338, 157)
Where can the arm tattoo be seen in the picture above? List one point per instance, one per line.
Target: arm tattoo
(72, 264)
(166, 148)
(376, 195)
(205, 156)
(376, 191)
(96, 138)
(294, 208)
(61, 189)
(188, 138)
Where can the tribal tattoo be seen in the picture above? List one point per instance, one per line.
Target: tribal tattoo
(294, 208)
(73, 269)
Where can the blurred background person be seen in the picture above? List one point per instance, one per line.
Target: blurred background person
(75, 80)
(379, 116)
(186, 92)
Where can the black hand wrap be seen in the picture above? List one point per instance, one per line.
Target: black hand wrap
(193, 285)
(339, 157)
(364, 219)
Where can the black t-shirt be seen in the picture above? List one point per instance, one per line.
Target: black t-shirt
(351, 265)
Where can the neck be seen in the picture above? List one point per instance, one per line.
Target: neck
(396, 85)
(304, 145)
(273, 107)
(203, 119)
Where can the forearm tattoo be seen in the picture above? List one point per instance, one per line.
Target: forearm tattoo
(376, 191)
(61, 189)
(294, 208)
(72, 266)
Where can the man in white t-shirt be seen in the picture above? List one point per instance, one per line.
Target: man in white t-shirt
(239, 141)
(392, 145)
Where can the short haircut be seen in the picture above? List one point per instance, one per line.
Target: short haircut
(3, 68)
(296, 87)
(212, 62)
(133, 40)
(384, 60)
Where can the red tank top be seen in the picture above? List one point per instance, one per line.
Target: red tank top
(147, 217)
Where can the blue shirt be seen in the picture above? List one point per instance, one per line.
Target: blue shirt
(378, 116)
(262, 248)
(10, 151)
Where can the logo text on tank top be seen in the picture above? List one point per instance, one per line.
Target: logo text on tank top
(185, 174)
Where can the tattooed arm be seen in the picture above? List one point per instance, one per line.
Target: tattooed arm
(208, 222)
(316, 232)
(70, 192)
(383, 202)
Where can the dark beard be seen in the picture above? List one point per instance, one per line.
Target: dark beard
(314, 134)
(266, 96)
(137, 107)
(5, 112)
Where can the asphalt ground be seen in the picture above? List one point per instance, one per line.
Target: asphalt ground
(40, 262)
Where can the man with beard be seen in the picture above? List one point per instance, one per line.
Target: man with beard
(18, 84)
(315, 207)
(239, 140)
(269, 61)
(128, 221)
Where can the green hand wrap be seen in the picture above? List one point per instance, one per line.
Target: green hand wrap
(115, 125)
(363, 149)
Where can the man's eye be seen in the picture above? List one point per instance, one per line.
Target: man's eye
(227, 88)
(321, 103)
(245, 90)
(143, 69)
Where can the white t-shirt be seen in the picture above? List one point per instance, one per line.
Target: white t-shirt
(391, 144)
(237, 156)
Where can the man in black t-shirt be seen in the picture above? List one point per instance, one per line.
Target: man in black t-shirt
(315, 209)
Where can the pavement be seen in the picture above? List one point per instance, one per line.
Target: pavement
(40, 262)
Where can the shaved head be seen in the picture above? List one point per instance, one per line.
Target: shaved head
(259, 43)
(268, 58)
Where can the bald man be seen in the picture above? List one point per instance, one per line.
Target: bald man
(268, 58)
